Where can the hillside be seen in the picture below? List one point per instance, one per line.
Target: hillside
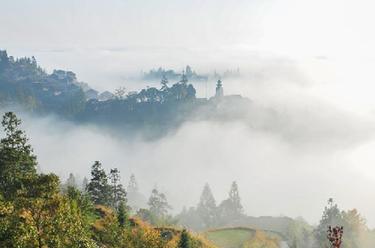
(240, 237)
(151, 111)
(36, 210)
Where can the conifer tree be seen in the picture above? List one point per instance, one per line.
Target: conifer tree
(207, 207)
(231, 208)
(133, 185)
(17, 161)
(71, 181)
(117, 190)
(331, 216)
(98, 187)
(235, 199)
(122, 215)
(164, 83)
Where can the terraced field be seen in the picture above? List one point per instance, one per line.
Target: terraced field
(237, 237)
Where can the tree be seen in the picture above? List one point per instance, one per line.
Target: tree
(355, 228)
(235, 199)
(351, 221)
(120, 93)
(158, 204)
(184, 240)
(117, 190)
(17, 161)
(44, 218)
(83, 201)
(207, 207)
(231, 208)
(331, 217)
(122, 215)
(164, 83)
(334, 236)
(98, 187)
(71, 181)
(85, 182)
(135, 198)
(133, 185)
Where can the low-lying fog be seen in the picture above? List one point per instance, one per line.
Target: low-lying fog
(312, 62)
(313, 148)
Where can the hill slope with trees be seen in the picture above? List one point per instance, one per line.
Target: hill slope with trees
(36, 211)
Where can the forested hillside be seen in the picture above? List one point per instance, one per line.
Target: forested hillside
(37, 211)
(24, 83)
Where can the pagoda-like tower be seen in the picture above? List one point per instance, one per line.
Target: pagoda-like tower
(219, 89)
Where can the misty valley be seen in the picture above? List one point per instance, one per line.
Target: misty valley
(80, 168)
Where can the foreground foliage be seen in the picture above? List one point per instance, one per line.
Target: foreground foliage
(35, 213)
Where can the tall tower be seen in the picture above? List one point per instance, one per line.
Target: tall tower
(219, 89)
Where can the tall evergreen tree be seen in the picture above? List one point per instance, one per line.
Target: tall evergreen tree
(207, 207)
(117, 190)
(231, 208)
(133, 185)
(136, 200)
(71, 181)
(235, 199)
(122, 215)
(164, 83)
(331, 217)
(98, 187)
(17, 161)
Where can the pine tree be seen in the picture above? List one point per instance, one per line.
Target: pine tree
(235, 199)
(71, 181)
(98, 188)
(133, 185)
(207, 207)
(332, 216)
(117, 190)
(164, 83)
(135, 198)
(17, 162)
(122, 215)
(185, 241)
(231, 208)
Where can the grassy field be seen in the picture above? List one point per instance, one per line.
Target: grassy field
(230, 237)
(235, 237)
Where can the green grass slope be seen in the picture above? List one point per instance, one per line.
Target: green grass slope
(235, 237)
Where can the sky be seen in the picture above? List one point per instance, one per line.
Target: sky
(310, 61)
